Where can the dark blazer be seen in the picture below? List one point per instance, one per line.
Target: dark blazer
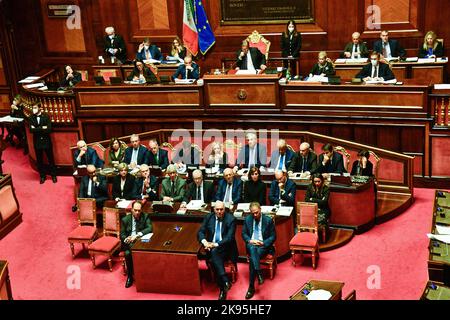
(41, 136)
(383, 71)
(289, 194)
(148, 75)
(228, 242)
(255, 191)
(119, 158)
(335, 165)
(179, 192)
(142, 155)
(244, 154)
(152, 192)
(396, 49)
(163, 159)
(321, 198)
(236, 192)
(208, 192)
(368, 171)
(362, 49)
(257, 58)
(154, 51)
(194, 74)
(118, 43)
(310, 162)
(438, 51)
(144, 225)
(193, 161)
(99, 192)
(328, 69)
(291, 47)
(267, 231)
(90, 157)
(70, 83)
(129, 188)
(222, 166)
(289, 156)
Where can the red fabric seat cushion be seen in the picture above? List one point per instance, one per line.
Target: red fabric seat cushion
(307, 239)
(104, 244)
(267, 257)
(83, 232)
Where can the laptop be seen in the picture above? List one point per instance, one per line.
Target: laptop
(341, 180)
(99, 80)
(115, 80)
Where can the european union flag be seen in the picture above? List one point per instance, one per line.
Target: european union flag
(206, 37)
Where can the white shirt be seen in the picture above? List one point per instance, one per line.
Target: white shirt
(122, 184)
(250, 65)
(356, 53)
(134, 155)
(201, 192)
(375, 71)
(228, 193)
(252, 157)
(257, 235)
(133, 227)
(284, 162)
(387, 47)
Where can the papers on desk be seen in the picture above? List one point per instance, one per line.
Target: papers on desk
(123, 204)
(426, 60)
(9, 119)
(184, 81)
(268, 209)
(300, 175)
(391, 59)
(29, 79)
(195, 205)
(147, 61)
(442, 86)
(340, 60)
(43, 88)
(34, 85)
(316, 78)
(443, 59)
(245, 207)
(443, 238)
(284, 211)
(355, 60)
(319, 294)
(147, 237)
(393, 81)
(443, 230)
(212, 170)
(245, 72)
(412, 59)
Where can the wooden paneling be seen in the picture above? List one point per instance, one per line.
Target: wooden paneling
(58, 37)
(395, 15)
(440, 149)
(2, 73)
(4, 103)
(153, 14)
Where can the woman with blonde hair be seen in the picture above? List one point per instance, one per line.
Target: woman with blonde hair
(178, 50)
(431, 47)
(324, 67)
(218, 158)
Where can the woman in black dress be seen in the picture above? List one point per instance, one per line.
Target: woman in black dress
(291, 43)
(254, 188)
(319, 193)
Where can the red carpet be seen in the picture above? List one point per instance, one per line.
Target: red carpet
(39, 255)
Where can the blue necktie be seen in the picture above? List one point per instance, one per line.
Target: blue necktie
(217, 235)
(257, 232)
(280, 166)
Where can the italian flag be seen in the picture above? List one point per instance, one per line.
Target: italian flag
(190, 36)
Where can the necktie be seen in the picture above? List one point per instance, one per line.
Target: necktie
(227, 194)
(257, 231)
(217, 234)
(303, 165)
(143, 188)
(157, 159)
(384, 50)
(173, 188)
(280, 165)
(199, 195)
(147, 54)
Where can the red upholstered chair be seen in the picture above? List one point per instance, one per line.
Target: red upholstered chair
(86, 232)
(255, 40)
(306, 240)
(110, 242)
(10, 215)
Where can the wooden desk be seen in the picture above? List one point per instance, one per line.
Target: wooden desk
(334, 287)
(426, 73)
(124, 70)
(168, 263)
(5, 284)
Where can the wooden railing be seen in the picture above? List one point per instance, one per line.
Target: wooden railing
(440, 109)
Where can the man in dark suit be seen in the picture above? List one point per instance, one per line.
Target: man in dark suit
(355, 49)
(146, 186)
(259, 236)
(188, 70)
(157, 156)
(173, 187)
(199, 189)
(304, 161)
(148, 51)
(40, 127)
(253, 154)
(282, 157)
(133, 226)
(217, 235)
(282, 190)
(94, 186)
(114, 45)
(230, 188)
(388, 48)
(376, 70)
(330, 161)
(250, 58)
(187, 155)
(124, 184)
(86, 155)
(137, 154)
